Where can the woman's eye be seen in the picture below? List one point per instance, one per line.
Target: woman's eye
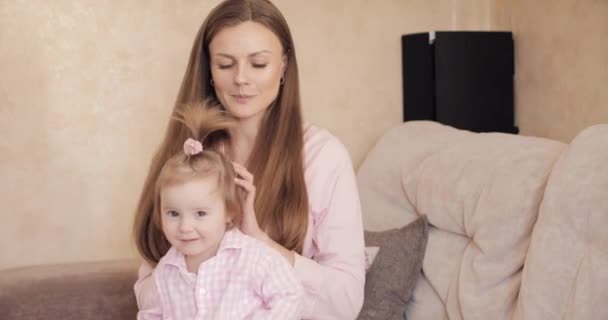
(224, 66)
(201, 213)
(173, 214)
(259, 65)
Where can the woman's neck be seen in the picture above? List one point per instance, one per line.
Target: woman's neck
(243, 137)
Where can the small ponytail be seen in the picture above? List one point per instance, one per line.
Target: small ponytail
(207, 122)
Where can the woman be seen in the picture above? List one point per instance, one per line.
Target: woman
(306, 201)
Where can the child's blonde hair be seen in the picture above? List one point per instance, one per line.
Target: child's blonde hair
(205, 122)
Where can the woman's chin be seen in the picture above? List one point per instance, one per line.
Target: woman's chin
(245, 113)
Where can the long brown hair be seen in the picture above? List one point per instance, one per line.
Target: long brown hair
(276, 160)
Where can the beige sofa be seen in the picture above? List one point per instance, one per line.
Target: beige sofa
(519, 224)
(518, 231)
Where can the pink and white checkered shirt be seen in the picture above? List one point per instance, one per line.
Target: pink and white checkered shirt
(245, 280)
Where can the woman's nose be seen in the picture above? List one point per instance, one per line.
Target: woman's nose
(241, 77)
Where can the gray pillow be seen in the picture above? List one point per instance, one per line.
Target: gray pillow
(391, 279)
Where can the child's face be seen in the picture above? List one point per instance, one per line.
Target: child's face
(194, 218)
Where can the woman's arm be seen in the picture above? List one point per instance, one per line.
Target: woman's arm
(289, 255)
(334, 278)
(280, 289)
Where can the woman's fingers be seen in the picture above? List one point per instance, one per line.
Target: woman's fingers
(245, 181)
(242, 172)
(248, 186)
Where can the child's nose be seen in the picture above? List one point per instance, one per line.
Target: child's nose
(185, 224)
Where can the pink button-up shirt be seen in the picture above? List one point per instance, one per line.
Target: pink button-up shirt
(332, 265)
(245, 280)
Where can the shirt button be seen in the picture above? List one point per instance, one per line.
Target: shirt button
(203, 291)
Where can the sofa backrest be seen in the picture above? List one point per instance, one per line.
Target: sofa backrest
(481, 194)
(101, 290)
(566, 271)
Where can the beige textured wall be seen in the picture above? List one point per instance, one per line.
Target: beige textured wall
(561, 65)
(86, 90)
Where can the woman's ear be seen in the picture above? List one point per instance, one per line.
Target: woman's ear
(285, 62)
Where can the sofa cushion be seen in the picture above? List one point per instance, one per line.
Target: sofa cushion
(395, 270)
(481, 194)
(566, 271)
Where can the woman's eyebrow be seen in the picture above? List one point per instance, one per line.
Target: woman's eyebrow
(251, 54)
(260, 52)
(224, 55)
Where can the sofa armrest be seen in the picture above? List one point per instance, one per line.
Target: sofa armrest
(92, 290)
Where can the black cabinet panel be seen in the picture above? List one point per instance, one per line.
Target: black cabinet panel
(462, 79)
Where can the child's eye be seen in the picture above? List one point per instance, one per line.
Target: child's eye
(201, 213)
(173, 213)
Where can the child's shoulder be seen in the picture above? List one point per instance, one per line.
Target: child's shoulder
(172, 256)
(246, 242)
(256, 250)
(172, 260)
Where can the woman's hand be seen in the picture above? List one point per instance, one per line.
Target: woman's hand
(249, 223)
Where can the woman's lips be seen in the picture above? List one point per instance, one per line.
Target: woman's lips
(242, 98)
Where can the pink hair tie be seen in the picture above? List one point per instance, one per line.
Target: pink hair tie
(192, 147)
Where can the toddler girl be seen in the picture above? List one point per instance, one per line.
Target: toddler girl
(211, 270)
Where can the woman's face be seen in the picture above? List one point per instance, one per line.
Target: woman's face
(247, 63)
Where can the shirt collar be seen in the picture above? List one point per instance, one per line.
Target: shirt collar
(233, 239)
(174, 258)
